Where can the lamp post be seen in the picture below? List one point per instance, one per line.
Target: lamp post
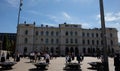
(103, 30)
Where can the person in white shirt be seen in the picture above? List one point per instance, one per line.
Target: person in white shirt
(47, 58)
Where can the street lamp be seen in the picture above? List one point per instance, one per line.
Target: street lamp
(103, 30)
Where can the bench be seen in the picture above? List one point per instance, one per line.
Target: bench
(7, 65)
(72, 66)
(41, 65)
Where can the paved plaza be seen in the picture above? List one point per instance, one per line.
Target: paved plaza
(56, 64)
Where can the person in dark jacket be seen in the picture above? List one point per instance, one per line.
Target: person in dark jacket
(117, 62)
(79, 58)
(3, 57)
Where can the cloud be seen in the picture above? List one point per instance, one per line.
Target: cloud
(65, 15)
(13, 3)
(60, 17)
(113, 21)
(33, 12)
(111, 17)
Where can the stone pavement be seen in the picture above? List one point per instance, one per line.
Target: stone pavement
(56, 65)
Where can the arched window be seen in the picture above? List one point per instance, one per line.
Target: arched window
(46, 41)
(111, 35)
(88, 41)
(76, 41)
(42, 33)
(97, 42)
(75, 33)
(66, 33)
(67, 40)
(47, 33)
(101, 42)
(52, 50)
(84, 50)
(25, 50)
(67, 50)
(36, 32)
(83, 34)
(83, 41)
(57, 41)
(42, 40)
(26, 40)
(71, 40)
(96, 34)
(26, 32)
(71, 50)
(57, 33)
(71, 33)
(76, 50)
(52, 41)
(92, 34)
(89, 50)
(52, 33)
(87, 34)
(93, 42)
(111, 42)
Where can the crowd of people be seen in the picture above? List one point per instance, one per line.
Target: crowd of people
(6, 55)
(37, 56)
(71, 56)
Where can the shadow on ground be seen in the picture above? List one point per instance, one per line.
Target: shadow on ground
(4, 69)
(37, 69)
(67, 69)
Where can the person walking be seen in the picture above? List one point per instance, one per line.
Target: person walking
(79, 58)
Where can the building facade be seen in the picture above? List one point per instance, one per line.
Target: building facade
(63, 39)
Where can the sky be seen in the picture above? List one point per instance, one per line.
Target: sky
(55, 12)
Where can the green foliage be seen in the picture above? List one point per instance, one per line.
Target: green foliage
(8, 44)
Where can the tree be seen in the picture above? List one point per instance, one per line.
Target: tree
(6, 43)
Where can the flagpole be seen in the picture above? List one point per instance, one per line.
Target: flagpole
(103, 30)
(20, 5)
(19, 11)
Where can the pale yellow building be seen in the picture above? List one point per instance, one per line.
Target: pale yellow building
(63, 39)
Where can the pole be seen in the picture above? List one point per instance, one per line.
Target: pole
(103, 30)
(19, 11)
(20, 5)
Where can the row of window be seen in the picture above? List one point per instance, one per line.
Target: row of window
(94, 35)
(98, 42)
(71, 33)
(71, 40)
(46, 40)
(84, 42)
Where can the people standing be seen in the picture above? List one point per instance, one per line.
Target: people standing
(82, 55)
(79, 58)
(47, 58)
(3, 57)
(68, 59)
(7, 56)
(17, 57)
(73, 56)
(117, 62)
(38, 56)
